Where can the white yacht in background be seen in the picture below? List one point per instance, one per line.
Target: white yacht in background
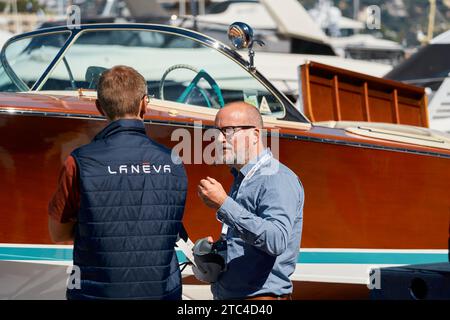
(429, 67)
(285, 28)
(291, 38)
(4, 36)
(439, 107)
(348, 39)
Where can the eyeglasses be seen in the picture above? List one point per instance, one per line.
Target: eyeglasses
(229, 131)
(148, 97)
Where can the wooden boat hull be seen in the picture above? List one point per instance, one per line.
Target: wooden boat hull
(356, 196)
(368, 204)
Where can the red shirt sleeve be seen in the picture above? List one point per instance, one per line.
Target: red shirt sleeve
(65, 203)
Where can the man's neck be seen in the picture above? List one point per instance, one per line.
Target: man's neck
(251, 158)
(127, 117)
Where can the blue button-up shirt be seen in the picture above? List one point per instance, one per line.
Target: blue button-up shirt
(264, 218)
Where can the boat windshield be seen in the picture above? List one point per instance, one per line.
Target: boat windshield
(26, 59)
(177, 68)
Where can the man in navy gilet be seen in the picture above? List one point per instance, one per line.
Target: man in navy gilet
(121, 200)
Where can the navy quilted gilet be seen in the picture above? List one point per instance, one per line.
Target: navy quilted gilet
(132, 203)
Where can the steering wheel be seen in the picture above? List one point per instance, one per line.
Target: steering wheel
(201, 74)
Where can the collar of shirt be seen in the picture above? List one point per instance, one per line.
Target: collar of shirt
(246, 168)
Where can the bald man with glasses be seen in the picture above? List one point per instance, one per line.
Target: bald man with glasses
(261, 216)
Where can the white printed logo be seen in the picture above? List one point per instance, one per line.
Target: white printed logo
(139, 168)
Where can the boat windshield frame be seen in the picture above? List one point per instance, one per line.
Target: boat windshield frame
(291, 113)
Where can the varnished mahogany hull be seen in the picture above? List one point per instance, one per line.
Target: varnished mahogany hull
(356, 196)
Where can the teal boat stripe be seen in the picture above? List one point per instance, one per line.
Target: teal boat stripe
(41, 254)
(323, 257)
(371, 257)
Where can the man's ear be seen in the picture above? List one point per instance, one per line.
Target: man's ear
(143, 107)
(99, 108)
(257, 134)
